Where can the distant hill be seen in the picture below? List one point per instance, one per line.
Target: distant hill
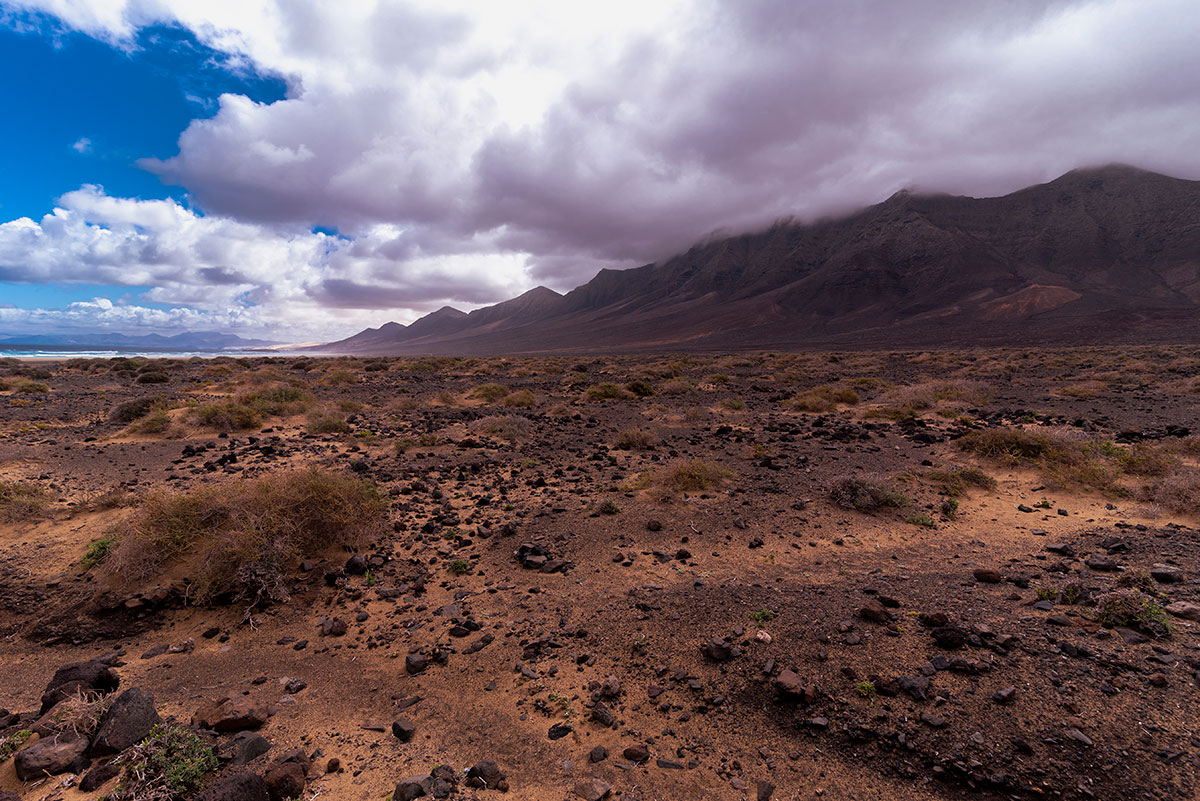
(1109, 254)
(189, 340)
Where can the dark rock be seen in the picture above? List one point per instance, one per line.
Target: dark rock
(69, 679)
(1166, 574)
(127, 721)
(237, 787)
(637, 754)
(417, 786)
(950, 636)
(51, 756)
(231, 714)
(598, 754)
(403, 729)
(487, 774)
(874, 612)
(559, 731)
(285, 780)
(248, 746)
(98, 776)
(987, 575)
(356, 565)
(1004, 696)
(415, 663)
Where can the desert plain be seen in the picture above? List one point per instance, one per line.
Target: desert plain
(839, 575)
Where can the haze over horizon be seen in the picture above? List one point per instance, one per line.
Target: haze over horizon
(302, 170)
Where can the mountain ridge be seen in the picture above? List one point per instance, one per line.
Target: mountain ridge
(1104, 253)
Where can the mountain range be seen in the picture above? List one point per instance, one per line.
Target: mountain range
(188, 340)
(1108, 254)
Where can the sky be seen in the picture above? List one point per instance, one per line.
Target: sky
(298, 170)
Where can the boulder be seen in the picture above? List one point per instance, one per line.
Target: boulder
(51, 756)
(231, 714)
(127, 721)
(237, 787)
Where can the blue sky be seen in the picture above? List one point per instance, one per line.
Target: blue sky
(299, 169)
(80, 111)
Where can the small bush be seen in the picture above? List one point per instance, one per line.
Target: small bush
(921, 520)
(608, 508)
(97, 551)
(522, 399)
(509, 427)
(459, 567)
(169, 764)
(605, 391)
(20, 500)
(1178, 492)
(135, 409)
(635, 439)
(227, 416)
(693, 476)
(865, 496)
(640, 388)
(240, 539)
(13, 743)
(956, 481)
(30, 388)
(488, 393)
(326, 423)
(153, 377)
(339, 378)
(157, 422)
(824, 398)
(1128, 608)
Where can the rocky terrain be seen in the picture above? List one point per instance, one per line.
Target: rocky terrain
(1098, 255)
(827, 575)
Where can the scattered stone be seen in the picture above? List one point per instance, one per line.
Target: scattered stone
(403, 729)
(231, 714)
(51, 756)
(593, 789)
(987, 575)
(237, 787)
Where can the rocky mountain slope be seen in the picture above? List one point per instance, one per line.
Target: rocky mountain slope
(1106, 254)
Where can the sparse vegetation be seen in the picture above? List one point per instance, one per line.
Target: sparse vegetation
(240, 540)
(97, 551)
(606, 391)
(956, 481)
(635, 439)
(169, 764)
(21, 500)
(825, 398)
(459, 567)
(866, 496)
(1130, 608)
(489, 393)
(694, 475)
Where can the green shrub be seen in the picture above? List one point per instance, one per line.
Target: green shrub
(522, 399)
(227, 415)
(97, 551)
(129, 411)
(169, 764)
(152, 377)
(640, 388)
(326, 423)
(956, 481)
(1129, 608)
(30, 388)
(459, 567)
(12, 744)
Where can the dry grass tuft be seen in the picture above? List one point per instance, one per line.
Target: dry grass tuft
(866, 496)
(20, 500)
(695, 475)
(239, 540)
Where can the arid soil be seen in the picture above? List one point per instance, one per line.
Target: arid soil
(773, 576)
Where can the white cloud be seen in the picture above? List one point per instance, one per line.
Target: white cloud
(469, 150)
(82, 145)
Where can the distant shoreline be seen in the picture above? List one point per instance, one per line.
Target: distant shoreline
(61, 352)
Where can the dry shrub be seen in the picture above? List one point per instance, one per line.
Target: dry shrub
(931, 394)
(226, 415)
(825, 398)
(20, 500)
(488, 393)
(339, 378)
(956, 481)
(136, 409)
(677, 386)
(507, 427)
(521, 399)
(1178, 492)
(693, 476)
(240, 539)
(635, 439)
(865, 496)
(326, 422)
(78, 714)
(606, 391)
(1069, 459)
(247, 410)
